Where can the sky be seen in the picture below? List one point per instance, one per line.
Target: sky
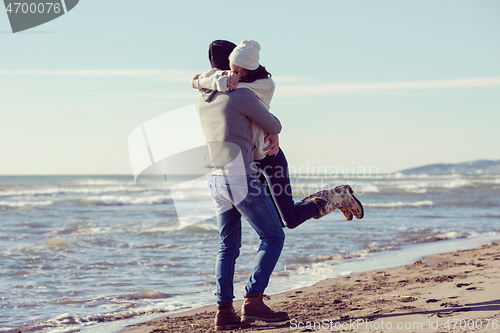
(385, 85)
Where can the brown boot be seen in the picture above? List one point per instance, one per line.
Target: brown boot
(226, 318)
(254, 309)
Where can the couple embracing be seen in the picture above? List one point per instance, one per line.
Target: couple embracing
(243, 153)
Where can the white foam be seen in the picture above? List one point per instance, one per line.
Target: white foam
(101, 182)
(94, 230)
(448, 235)
(17, 204)
(421, 183)
(318, 271)
(193, 185)
(58, 241)
(73, 323)
(148, 294)
(205, 226)
(457, 183)
(70, 190)
(474, 234)
(370, 188)
(362, 188)
(399, 204)
(358, 254)
(119, 200)
(399, 175)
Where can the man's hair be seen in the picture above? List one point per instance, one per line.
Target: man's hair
(248, 76)
(218, 53)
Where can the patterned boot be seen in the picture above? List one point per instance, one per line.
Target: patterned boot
(346, 212)
(340, 197)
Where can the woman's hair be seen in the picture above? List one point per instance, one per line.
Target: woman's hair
(249, 76)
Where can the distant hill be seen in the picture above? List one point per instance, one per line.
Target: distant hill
(474, 167)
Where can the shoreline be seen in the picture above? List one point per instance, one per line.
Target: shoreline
(438, 288)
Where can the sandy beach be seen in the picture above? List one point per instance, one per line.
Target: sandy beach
(450, 292)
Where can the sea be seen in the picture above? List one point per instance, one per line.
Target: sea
(98, 253)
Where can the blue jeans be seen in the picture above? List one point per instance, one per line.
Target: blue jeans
(244, 197)
(275, 169)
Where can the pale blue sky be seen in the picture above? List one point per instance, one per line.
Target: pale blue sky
(390, 84)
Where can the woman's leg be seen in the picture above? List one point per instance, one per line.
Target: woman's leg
(275, 168)
(263, 180)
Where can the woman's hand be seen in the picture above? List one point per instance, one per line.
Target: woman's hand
(232, 80)
(194, 79)
(274, 147)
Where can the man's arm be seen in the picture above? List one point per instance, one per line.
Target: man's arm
(216, 80)
(258, 113)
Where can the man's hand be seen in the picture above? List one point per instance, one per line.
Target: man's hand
(232, 80)
(274, 147)
(194, 79)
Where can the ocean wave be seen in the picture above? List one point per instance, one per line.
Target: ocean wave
(434, 237)
(159, 230)
(420, 187)
(69, 190)
(201, 195)
(399, 204)
(148, 294)
(370, 188)
(299, 189)
(6, 205)
(124, 200)
(101, 182)
(411, 188)
(72, 323)
(313, 258)
(410, 184)
(421, 183)
(201, 227)
(317, 271)
(58, 242)
(457, 183)
(399, 175)
(474, 234)
(418, 190)
(423, 235)
(413, 236)
(192, 228)
(83, 231)
(447, 235)
(147, 304)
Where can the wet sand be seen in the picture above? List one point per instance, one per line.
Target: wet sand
(450, 292)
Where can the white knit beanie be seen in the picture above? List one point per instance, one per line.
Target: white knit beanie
(246, 55)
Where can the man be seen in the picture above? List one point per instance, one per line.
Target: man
(236, 190)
